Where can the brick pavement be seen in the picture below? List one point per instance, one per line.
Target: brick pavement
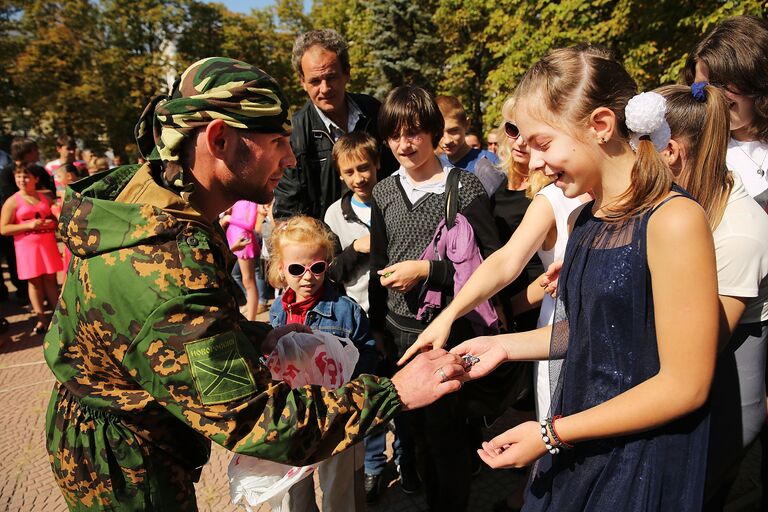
(26, 483)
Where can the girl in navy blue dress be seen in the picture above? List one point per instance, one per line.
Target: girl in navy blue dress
(636, 324)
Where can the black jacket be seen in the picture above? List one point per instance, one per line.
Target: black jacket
(314, 184)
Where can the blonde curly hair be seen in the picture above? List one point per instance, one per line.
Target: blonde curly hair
(300, 229)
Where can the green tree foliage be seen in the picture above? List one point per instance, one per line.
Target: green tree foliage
(465, 27)
(88, 67)
(406, 48)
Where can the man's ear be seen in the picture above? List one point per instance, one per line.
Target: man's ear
(219, 138)
(602, 123)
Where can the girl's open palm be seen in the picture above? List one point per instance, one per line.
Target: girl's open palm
(489, 349)
(517, 447)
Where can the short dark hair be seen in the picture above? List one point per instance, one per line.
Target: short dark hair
(73, 170)
(65, 140)
(410, 109)
(736, 52)
(328, 39)
(357, 142)
(21, 147)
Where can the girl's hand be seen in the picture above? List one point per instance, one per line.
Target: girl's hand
(515, 448)
(404, 275)
(40, 224)
(551, 277)
(270, 341)
(489, 349)
(240, 244)
(434, 336)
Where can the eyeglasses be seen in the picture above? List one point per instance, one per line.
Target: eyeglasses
(511, 130)
(317, 269)
(413, 138)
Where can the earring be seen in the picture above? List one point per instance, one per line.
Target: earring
(602, 140)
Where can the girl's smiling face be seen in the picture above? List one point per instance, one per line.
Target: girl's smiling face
(308, 283)
(25, 181)
(558, 153)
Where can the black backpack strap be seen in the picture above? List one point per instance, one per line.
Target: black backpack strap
(451, 197)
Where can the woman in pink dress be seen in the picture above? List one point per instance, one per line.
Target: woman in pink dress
(242, 241)
(27, 216)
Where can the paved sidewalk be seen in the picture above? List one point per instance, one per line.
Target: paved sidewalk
(26, 482)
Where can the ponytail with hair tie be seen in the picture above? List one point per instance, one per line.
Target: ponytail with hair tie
(698, 91)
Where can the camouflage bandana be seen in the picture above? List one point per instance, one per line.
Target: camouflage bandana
(241, 95)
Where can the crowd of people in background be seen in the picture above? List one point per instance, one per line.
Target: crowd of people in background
(618, 241)
(31, 195)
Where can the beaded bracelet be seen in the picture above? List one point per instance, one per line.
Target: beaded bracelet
(554, 450)
(558, 440)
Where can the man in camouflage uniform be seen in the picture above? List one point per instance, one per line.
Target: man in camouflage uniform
(152, 357)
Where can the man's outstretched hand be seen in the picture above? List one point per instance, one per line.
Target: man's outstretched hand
(428, 377)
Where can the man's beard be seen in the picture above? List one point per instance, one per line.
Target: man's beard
(248, 191)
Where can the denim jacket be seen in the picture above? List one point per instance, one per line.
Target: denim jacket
(338, 315)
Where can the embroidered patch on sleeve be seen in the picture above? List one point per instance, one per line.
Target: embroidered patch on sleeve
(218, 369)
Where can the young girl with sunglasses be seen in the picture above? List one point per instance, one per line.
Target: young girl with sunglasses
(636, 322)
(300, 251)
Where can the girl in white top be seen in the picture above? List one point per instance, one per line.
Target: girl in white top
(561, 208)
(698, 119)
(734, 57)
(544, 229)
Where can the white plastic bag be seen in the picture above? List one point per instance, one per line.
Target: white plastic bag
(318, 358)
(298, 359)
(253, 481)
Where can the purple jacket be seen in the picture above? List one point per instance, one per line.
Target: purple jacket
(459, 246)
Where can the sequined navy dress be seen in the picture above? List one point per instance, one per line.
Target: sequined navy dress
(605, 337)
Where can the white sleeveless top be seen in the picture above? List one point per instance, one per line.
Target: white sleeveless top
(562, 207)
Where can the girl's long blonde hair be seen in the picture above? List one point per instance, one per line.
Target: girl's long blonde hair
(703, 128)
(567, 85)
(300, 229)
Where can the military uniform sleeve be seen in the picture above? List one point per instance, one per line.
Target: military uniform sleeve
(194, 357)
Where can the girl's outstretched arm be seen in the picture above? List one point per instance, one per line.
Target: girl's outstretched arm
(681, 260)
(500, 269)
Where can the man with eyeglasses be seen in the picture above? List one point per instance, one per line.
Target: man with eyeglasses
(152, 357)
(321, 60)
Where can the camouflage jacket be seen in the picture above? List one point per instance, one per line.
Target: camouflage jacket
(153, 359)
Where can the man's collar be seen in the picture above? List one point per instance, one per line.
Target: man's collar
(353, 116)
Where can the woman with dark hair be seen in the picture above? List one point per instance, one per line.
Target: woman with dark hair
(734, 57)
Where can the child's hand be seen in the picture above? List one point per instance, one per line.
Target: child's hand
(240, 244)
(515, 448)
(363, 244)
(489, 349)
(404, 275)
(551, 277)
(434, 336)
(270, 341)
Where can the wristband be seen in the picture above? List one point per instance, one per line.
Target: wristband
(554, 450)
(558, 440)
